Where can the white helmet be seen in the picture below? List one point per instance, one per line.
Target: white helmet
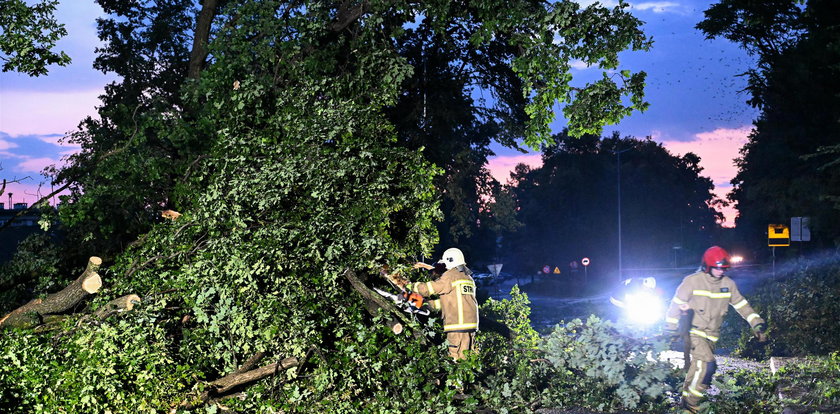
(453, 258)
(649, 283)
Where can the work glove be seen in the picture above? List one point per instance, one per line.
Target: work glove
(759, 332)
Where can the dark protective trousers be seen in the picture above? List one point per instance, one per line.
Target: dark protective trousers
(699, 376)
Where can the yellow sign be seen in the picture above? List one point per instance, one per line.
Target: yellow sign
(556, 270)
(778, 235)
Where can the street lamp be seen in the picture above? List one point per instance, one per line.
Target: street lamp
(618, 172)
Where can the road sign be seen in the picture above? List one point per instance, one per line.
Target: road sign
(800, 229)
(778, 235)
(584, 261)
(495, 269)
(556, 270)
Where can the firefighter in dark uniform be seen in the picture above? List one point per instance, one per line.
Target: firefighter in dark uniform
(708, 293)
(457, 301)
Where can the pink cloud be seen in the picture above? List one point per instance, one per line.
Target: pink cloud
(7, 154)
(36, 165)
(56, 140)
(42, 113)
(501, 166)
(4, 145)
(717, 151)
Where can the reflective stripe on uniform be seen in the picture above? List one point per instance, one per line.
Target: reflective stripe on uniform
(721, 295)
(460, 287)
(436, 304)
(458, 283)
(678, 301)
(740, 304)
(671, 320)
(751, 317)
(431, 289)
(704, 335)
(697, 375)
(460, 327)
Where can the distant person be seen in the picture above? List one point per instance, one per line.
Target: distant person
(457, 301)
(707, 294)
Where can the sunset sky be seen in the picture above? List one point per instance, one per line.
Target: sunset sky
(692, 88)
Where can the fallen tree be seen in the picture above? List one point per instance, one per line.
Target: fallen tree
(34, 312)
(373, 303)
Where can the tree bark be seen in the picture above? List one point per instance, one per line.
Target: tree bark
(250, 363)
(198, 54)
(121, 304)
(347, 15)
(373, 302)
(225, 384)
(33, 312)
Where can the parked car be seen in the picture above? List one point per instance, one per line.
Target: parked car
(483, 279)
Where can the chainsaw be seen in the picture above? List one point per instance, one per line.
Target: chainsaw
(408, 301)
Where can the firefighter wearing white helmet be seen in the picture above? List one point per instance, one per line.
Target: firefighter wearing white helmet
(457, 301)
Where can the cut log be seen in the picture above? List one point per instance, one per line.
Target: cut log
(32, 313)
(120, 304)
(227, 383)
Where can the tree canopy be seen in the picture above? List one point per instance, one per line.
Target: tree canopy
(275, 129)
(789, 166)
(28, 34)
(569, 206)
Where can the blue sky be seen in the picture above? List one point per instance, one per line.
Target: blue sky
(693, 91)
(692, 88)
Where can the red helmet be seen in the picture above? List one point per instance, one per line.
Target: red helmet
(715, 256)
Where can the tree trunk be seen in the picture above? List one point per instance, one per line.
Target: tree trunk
(33, 312)
(198, 54)
(347, 15)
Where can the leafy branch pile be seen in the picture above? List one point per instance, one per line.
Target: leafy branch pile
(798, 305)
(804, 386)
(579, 366)
(281, 154)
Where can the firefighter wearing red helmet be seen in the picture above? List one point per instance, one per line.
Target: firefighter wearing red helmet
(706, 296)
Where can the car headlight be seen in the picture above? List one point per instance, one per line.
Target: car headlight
(643, 307)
